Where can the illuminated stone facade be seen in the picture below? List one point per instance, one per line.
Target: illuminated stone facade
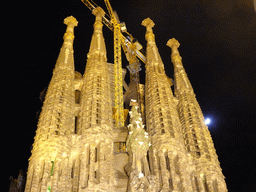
(78, 148)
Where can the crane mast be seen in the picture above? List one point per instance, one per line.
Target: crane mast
(119, 106)
(118, 80)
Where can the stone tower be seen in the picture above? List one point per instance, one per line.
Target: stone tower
(167, 156)
(95, 120)
(56, 122)
(78, 148)
(197, 138)
(73, 148)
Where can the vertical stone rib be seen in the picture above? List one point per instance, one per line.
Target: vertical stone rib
(29, 178)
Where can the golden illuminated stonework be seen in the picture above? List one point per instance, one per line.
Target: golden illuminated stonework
(78, 147)
(197, 138)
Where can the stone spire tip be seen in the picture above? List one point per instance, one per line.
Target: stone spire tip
(70, 20)
(98, 11)
(148, 23)
(173, 43)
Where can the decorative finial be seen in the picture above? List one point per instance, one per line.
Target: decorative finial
(173, 43)
(148, 23)
(98, 11)
(176, 58)
(70, 20)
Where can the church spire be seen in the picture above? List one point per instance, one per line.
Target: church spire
(95, 119)
(182, 82)
(97, 46)
(153, 57)
(60, 95)
(163, 123)
(96, 94)
(198, 141)
(56, 119)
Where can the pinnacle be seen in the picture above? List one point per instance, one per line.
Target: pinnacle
(98, 12)
(173, 43)
(148, 23)
(69, 20)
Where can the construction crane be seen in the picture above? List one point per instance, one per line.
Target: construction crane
(131, 50)
(134, 64)
(118, 80)
(125, 41)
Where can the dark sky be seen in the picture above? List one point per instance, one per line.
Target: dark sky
(218, 46)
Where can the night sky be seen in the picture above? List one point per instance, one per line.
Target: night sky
(218, 50)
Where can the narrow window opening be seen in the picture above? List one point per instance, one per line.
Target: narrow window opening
(89, 156)
(77, 96)
(170, 183)
(159, 70)
(96, 154)
(148, 161)
(142, 169)
(42, 170)
(72, 172)
(167, 163)
(75, 131)
(162, 131)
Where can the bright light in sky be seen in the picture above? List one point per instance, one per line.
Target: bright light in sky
(207, 121)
